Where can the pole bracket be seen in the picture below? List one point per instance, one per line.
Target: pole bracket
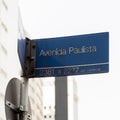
(16, 109)
(26, 116)
(12, 106)
(30, 58)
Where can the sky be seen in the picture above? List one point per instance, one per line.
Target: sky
(99, 94)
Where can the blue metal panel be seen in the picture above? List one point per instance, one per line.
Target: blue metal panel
(73, 55)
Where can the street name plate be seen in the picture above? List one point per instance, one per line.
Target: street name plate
(73, 55)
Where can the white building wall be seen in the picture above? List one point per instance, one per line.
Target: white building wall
(9, 62)
(72, 99)
(49, 99)
(36, 98)
(8, 56)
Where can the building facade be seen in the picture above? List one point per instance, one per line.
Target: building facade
(49, 99)
(36, 98)
(9, 61)
(72, 99)
(7, 39)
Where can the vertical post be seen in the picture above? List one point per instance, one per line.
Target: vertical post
(28, 72)
(24, 100)
(61, 98)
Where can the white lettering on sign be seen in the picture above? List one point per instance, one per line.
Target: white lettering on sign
(83, 49)
(70, 50)
(56, 52)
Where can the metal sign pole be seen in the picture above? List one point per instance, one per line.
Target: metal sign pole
(61, 98)
(24, 101)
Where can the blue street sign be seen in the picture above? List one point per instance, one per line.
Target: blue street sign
(73, 55)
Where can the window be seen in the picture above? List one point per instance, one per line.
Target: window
(45, 116)
(4, 26)
(49, 107)
(3, 74)
(4, 4)
(4, 50)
